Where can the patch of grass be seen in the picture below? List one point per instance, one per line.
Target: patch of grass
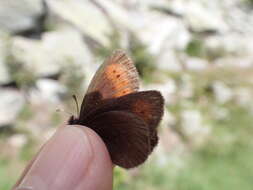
(120, 178)
(6, 179)
(195, 48)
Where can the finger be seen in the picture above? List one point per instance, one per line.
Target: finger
(75, 158)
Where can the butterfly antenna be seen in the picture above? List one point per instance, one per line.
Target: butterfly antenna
(77, 106)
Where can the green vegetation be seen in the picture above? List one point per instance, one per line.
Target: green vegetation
(195, 48)
(6, 178)
(249, 3)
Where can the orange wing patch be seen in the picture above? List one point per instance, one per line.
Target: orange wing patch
(119, 80)
(143, 109)
(116, 77)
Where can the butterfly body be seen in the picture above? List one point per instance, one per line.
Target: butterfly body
(124, 118)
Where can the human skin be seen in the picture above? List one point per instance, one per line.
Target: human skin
(74, 158)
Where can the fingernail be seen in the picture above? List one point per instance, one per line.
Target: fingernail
(62, 163)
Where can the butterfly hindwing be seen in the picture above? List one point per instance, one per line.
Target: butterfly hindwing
(125, 135)
(148, 105)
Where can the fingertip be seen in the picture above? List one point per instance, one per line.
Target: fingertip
(74, 158)
(101, 169)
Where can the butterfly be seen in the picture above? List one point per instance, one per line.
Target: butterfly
(125, 118)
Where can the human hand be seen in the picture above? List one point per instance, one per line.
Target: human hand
(75, 158)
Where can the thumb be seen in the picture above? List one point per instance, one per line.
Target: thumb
(74, 158)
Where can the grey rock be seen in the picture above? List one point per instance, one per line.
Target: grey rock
(230, 44)
(219, 113)
(56, 50)
(48, 90)
(11, 103)
(85, 16)
(196, 64)
(193, 127)
(222, 92)
(245, 62)
(239, 18)
(160, 32)
(167, 89)
(120, 16)
(199, 19)
(169, 120)
(169, 60)
(19, 15)
(185, 88)
(178, 7)
(17, 141)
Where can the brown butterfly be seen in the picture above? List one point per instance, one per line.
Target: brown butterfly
(124, 118)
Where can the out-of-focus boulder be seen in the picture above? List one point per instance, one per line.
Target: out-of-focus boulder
(85, 16)
(16, 16)
(56, 50)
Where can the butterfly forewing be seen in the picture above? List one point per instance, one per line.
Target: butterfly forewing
(116, 77)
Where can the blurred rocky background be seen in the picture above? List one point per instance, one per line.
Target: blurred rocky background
(198, 53)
